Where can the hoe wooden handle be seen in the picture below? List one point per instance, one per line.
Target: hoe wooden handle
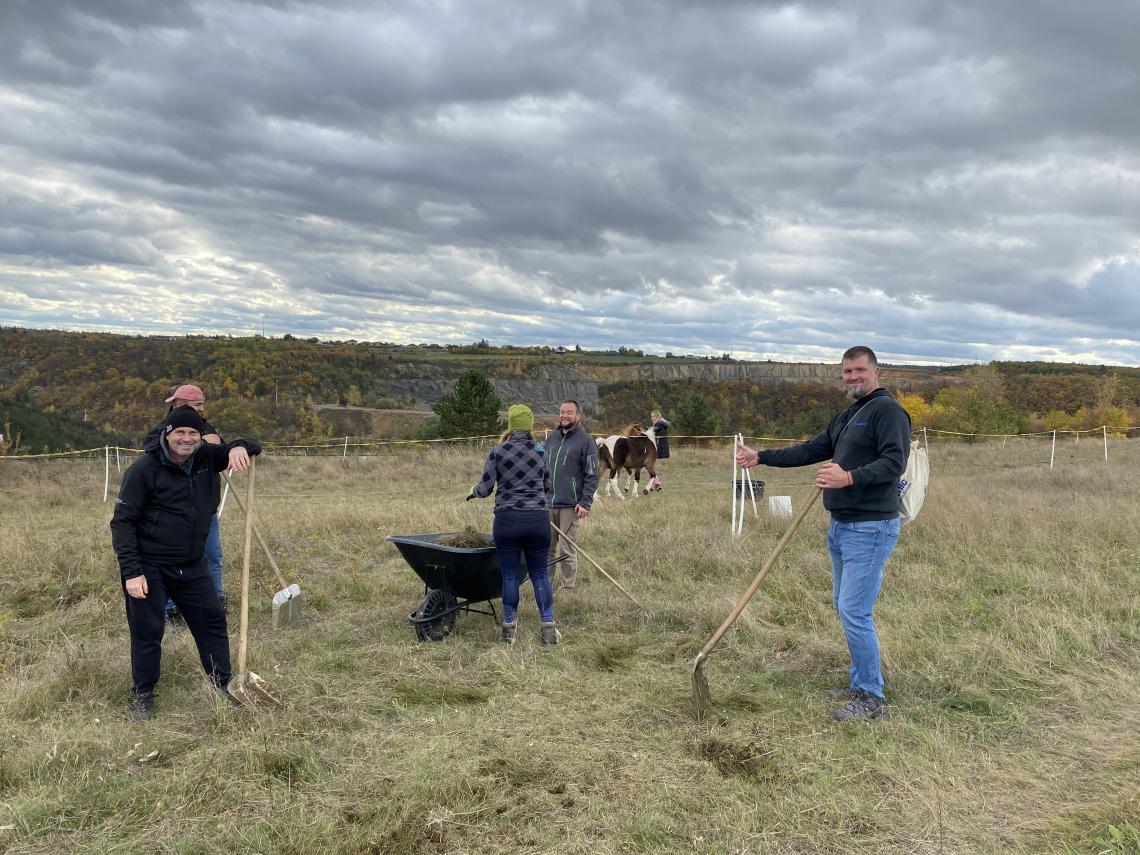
(243, 626)
(768, 564)
(257, 534)
(581, 552)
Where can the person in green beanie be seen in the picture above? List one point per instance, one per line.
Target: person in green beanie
(516, 471)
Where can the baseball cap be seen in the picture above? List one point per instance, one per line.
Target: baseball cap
(187, 392)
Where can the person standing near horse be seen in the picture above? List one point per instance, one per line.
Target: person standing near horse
(189, 395)
(516, 471)
(162, 515)
(660, 428)
(867, 445)
(573, 458)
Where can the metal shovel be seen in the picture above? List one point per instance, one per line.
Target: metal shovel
(701, 695)
(246, 686)
(287, 601)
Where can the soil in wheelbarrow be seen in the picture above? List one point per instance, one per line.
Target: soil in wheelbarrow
(469, 538)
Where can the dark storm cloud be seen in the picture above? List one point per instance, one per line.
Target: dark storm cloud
(944, 181)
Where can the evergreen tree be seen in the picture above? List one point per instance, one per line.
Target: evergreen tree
(695, 417)
(472, 409)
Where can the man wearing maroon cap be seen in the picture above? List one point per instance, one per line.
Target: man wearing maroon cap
(189, 395)
(162, 515)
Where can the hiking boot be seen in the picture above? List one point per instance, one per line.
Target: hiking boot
(510, 633)
(551, 634)
(142, 706)
(863, 707)
(850, 693)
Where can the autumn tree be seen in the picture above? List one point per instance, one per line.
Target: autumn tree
(472, 409)
(976, 410)
(921, 413)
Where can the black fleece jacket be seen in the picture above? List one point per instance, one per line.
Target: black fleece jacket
(162, 514)
(874, 449)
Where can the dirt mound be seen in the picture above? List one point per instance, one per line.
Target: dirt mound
(469, 538)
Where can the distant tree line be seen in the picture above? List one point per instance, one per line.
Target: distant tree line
(113, 386)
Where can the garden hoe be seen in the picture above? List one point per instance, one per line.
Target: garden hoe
(580, 551)
(287, 601)
(247, 687)
(701, 695)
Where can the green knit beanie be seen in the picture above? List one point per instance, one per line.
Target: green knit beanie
(519, 417)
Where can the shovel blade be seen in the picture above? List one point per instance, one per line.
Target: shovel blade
(702, 697)
(252, 691)
(287, 607)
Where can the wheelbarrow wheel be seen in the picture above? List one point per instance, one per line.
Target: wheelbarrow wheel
(440, 603)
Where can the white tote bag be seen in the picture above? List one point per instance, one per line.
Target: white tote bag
(913, 483)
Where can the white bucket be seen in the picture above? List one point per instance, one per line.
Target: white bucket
(780, 506)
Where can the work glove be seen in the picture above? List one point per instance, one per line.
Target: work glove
(470, 494)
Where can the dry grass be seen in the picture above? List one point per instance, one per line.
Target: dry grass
(1009, 621)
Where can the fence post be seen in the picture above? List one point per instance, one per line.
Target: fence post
(345, 455)
(1105, 429)
(106, 471)
(1053, 449)
(732, 520)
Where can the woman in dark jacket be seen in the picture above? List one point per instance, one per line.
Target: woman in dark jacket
(661, 433)
(516, 470)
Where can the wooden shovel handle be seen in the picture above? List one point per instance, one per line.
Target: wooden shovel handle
(243, 626)
(257, 534)
(769, 562)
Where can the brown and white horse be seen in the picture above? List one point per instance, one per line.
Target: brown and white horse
(632, 451)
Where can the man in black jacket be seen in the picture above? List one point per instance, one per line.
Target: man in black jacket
(190, 395)
(867, 445)
(158, 529)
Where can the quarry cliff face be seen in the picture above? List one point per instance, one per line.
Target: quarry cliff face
(716, 372)
(545, 386)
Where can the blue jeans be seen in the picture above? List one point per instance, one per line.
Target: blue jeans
(859, 552)
(519, 533)
(213, 558)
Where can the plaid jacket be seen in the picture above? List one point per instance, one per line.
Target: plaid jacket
(518, 467)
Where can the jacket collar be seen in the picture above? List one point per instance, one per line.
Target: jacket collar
(881, 392)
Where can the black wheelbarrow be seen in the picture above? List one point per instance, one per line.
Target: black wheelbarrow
(456, 579)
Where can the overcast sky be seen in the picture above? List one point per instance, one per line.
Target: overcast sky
(944, 181)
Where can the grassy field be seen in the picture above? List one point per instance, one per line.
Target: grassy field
(1010, 623)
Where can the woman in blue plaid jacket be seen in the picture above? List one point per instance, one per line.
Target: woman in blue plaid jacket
(516, 471)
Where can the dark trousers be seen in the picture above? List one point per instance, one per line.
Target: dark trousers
(519, 533)
(192, 589)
